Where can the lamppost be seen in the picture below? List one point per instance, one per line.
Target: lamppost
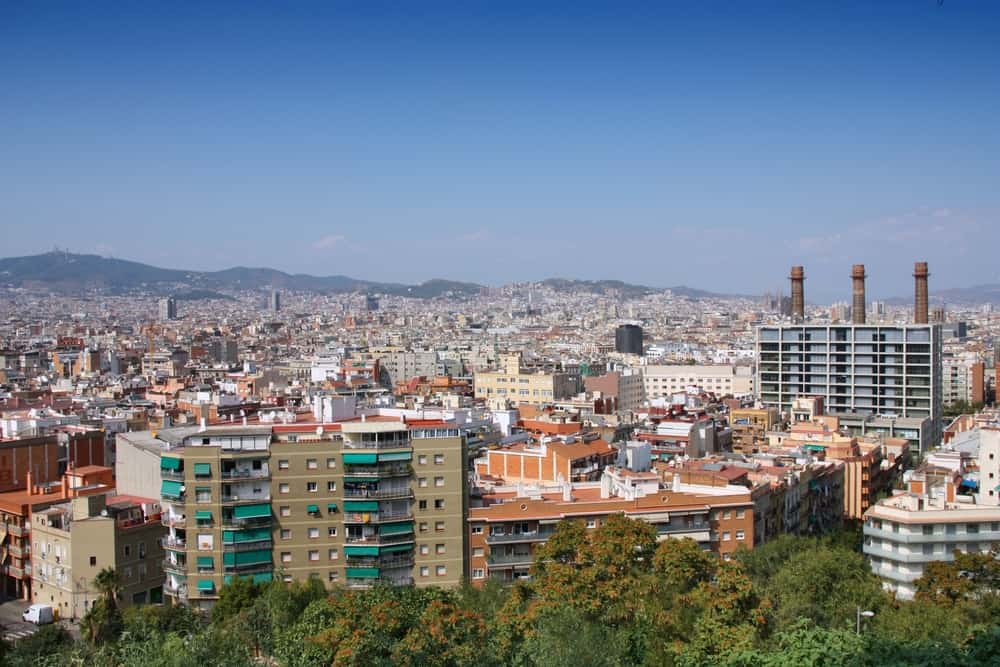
(866, 614)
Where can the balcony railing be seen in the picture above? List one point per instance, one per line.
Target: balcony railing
(369, 582)
(16, 530)
(510, 559)
(379, 443)
(380, 540)
(247, 546)
(176, 592)
(177, 475)
(176, 568)
(379, 493)
(381, 563)
(533, 536)
(230, 523)
(174, 543)
(248, 569)
(245, 474)
(19, 551)
(173, 521)
(243, 498)
(376, 517)
(383, 470)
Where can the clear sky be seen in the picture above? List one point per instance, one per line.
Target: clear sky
(700, 143)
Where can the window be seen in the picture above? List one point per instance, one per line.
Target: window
(477, 530)
(439, 459)
(740, 534)
(439, 481)
(422, 459)
(439, 549)
(332, 576)
(311, 487)
(928, 549)
(286, 556)
(127, 550)
(331, 531)
(441, 570)
(725, 536)
(333, 554)
(439, 526)
(285, 510)
(283, 487)
(311, 464)
(423, 527)
(972, 527)
(422, 482)
(314, 555)
(725, 515)
(331, 463)
(286, 533)
(287, 578)
(928, 530)
(331, 486)
(591, 523)
(422, 504)
(93, 561)
(477, 551)
(282, 464)
(314, 533)
(740, 514)
(439, 503)
(950, 529)
(424, 571)
(424, 550)
(478, 573)
(203, 494)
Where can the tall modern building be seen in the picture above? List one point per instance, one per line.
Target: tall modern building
(628, 339)
(168, 309)
(352, 503)
(274, 301)
(892, 370)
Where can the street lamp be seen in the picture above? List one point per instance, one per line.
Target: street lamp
(866, 614)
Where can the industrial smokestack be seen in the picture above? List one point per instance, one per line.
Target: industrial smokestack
(920, 298)
(858, 309)
(797, 277)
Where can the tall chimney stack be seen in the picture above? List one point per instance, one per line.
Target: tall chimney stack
(858, 308)
(920, 285)
(798, 276)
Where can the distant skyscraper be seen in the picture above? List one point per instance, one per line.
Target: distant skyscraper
(168, 309)
(371, 303)
(274, 304)
(628, 339)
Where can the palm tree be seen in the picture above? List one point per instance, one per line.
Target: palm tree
(109, 584)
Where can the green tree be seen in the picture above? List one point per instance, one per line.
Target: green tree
(51, 641)
(236, 596)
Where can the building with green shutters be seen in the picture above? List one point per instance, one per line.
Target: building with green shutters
(352, 503)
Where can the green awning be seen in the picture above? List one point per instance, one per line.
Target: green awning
(397, 548)
(226, 580)
(312, 509)
(331, 507)
(814, 448)
(359, 480)
(171, 488)
(362, 572)
(396, 456)
(170, 463)
(360, 551)
(360, 458)
(262, 578)
(257, 511)
(203, 469)
(395, 528)
(254, 557)
(206, 585)
(203, 515)
(360, 505)
(206, 561)
(255, 535)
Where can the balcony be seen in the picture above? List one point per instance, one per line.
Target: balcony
(508, 538)
(246, 498)
(254, 568)
(380, 540)
(375, 517)
(509, 560)
(384, 563)
(179, 592)
(384, 470)
(356, 583)
(16, 572)
(231, 475)
(19, 551)
(174, 568)
(174, 544)
(247, 546)
(174, 521)
(176, 475)
(386, 494)
(230, 523)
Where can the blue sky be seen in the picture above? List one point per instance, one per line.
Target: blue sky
(700, 143)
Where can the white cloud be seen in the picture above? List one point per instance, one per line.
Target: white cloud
(328, 242)
(480, 234)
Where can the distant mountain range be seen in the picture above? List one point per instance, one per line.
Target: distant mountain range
(65, 272)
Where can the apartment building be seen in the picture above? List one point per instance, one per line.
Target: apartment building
(856, 369)
(962, 379)
(626, 387)
(351, 503)
(573, 458)
(750, 427)
(73, 541)
(723, 380)
(514, 383)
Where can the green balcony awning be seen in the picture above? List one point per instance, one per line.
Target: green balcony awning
(203, 469)
(396, 548)
(255, 535)
(203, 515)
(254, 557)
(396, 456)
(350, 550)
(395, 528)
(171, 488)
(206, 561)
(814, 448)
(206, 585)
(331, 507)
(170, 463)
(360, 458)
(312, 509)
(262, 578)
(362, 572)
(361, 506)
(257, 511)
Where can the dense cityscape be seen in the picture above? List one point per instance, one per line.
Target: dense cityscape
(499, 334)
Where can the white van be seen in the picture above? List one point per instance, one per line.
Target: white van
(39, 614)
